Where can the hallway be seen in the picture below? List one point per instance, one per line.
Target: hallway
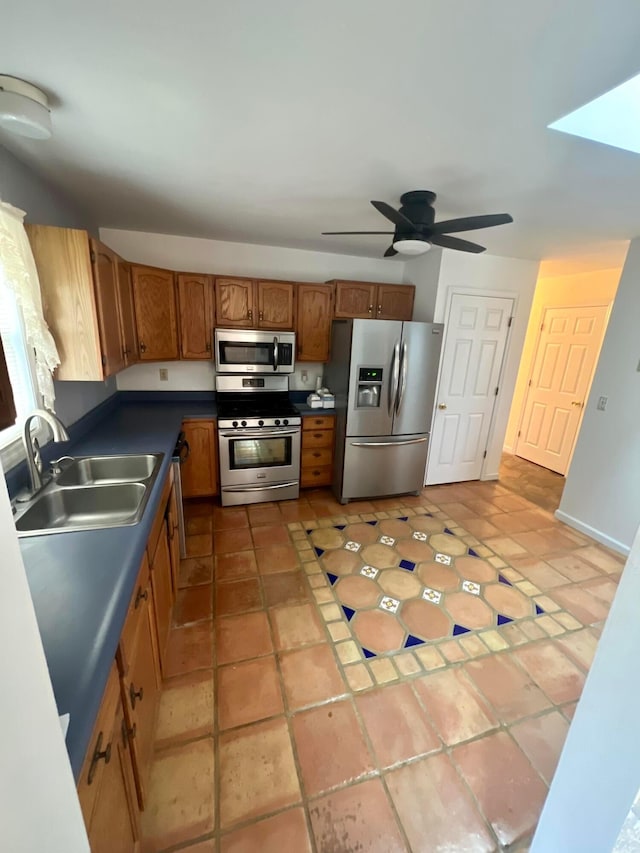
(533, 482)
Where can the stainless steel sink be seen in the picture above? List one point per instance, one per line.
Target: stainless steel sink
(94, 470)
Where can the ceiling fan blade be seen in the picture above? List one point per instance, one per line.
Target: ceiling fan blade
(470, 223)
(393, 214)
(455, 243)
(390, 252)
(325, 233)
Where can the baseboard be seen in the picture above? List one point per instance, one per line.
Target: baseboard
(598, 535)
(508, 449)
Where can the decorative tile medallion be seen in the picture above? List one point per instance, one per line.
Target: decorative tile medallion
(389, 604)
(369, 572)
(353, 546)
(387, 540)
(445, 559)
(432, 595)
(470, 586)
(420, 536)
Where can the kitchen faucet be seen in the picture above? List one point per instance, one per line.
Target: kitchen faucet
(32, 448)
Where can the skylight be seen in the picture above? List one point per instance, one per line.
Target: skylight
(612, 118)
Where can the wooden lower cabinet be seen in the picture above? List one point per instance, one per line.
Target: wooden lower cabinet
(174, 540)
(162, 588)
(200, 471)
(316, 463)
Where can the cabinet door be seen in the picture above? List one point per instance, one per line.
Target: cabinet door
(395, 302)
(199, 472)
(161, 587)
(156, 314)
(195, 304)
(127, 313)
(313, 328)
(275, 304)
(105, 278)
(174, 540)
(234, 302)
(355, 299)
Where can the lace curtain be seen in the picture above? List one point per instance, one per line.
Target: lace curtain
(21, 276)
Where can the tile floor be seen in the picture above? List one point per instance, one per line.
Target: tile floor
(539, 485)
(278, 732)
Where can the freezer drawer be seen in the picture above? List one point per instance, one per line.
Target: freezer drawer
(376, 466)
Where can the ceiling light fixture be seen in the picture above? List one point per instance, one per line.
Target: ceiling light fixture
(24, 109)
(411, 247)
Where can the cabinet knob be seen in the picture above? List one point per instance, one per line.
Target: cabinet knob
(370, 309)
(98, 755)
(261, 315)
(379, 309)
(140, 596)
(250, 314)
(135, 694)
(143, 347)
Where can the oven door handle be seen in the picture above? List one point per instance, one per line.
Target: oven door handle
(263, 433)
(275, 353)
(259, 488)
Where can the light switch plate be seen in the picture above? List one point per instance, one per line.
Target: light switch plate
(602, 403)
(164, 374)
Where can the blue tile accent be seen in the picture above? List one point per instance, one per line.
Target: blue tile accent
(539, 610)
(372, 523)
(349, 612)
(460, 629)
(408, 565)
(472, 553)
(502, 579)
(503, 620)
(450, 532)
(403, 518)
(429, 514)
(367, 653)
(319, 551)
(413, 641)
(332, 578)
(340, 526)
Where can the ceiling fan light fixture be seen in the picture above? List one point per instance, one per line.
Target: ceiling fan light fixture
(411, 247)
(24, 109)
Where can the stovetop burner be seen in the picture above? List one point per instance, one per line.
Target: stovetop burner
(255, 406)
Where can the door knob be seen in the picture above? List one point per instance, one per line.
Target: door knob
(576, 403)
(442, 405)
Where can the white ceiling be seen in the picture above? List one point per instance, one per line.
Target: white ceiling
(269, 122)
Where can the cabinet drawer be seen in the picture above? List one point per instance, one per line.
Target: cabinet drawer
(320, 476)
(135, 613)
(317, 438)
(316, 456)
(317, 422)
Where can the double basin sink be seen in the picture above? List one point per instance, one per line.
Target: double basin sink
(92, 492)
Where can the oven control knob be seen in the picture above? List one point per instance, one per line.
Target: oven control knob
(260, 423)
(235, 423)
(277, 421)
(244, 423)
(286, 422)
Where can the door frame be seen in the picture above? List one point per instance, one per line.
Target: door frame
(534, 358)
(458, 290)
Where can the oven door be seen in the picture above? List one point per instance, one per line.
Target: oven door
(259, 457)
(247, 351)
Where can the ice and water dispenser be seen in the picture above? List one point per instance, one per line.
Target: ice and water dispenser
(369, 391)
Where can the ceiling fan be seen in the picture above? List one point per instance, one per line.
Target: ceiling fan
(416, 231)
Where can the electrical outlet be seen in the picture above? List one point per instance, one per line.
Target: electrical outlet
(164, 374)
(602, 403)
(304, 375)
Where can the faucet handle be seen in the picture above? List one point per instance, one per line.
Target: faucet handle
(37, 458)
(57, 466)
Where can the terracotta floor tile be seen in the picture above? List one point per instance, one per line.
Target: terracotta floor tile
(331, 747)
(310, 676)
(396, 724)
(475, 569)
(285, 588)
(296, 625)
(358, 818)
(257, 771)
(604, 589)
(200, 847)
(580, 603)
(482, 528)
(198, 524)
(581, 647)
(436, 811)
(225, 518)
(193, 604)
(539, 572)
(189, 648)
(238, 597)
(378, 631)
(508, 789)
(542, 739)
(236, 539)
(454, 704)
(357, 591)
(195, 571)
(284, 833)
(185, 709)
(602, 558)
(243, 637)
(199, 545)
(470, 610)
(239, 564)
(198, 506)
(575, 569)
(276, 558)
(270, 534)
(508, 600)
(302, 511)
(508, 688)
(264, 515)
(248, 692)
(560, 679)
(180, 796)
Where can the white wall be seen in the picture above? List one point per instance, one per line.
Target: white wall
(602, 493)
(424, 272)
(39, 808)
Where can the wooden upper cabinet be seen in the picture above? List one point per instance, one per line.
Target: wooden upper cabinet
(234, 302)
(127, 313)
(275, 301)
(196, 308)
(355, 299)
(156, 313)
(200, 470)
(7, 405)
(395, 301)
(313, 327)
(105, 277)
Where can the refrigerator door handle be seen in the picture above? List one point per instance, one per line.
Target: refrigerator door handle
(403, 376)
(388, 443)
(393, 378)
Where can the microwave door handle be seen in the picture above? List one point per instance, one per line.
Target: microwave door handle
(404, 360)
(275, 353)
(393, 378)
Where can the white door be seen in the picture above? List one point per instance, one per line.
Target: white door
(475, 339)
(566, 357)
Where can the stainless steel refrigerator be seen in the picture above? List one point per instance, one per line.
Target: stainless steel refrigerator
(383, 373)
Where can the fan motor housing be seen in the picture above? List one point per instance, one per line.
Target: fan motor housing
(417, 206)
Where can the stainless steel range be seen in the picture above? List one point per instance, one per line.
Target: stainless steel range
(259, 439)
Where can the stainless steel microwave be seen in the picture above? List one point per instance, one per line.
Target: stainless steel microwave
(253, 351)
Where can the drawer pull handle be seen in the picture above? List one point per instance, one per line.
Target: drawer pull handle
(317, 435)
(135, 694)
(99, 755)
(317, 455)
(140, 596)
(128, 733)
